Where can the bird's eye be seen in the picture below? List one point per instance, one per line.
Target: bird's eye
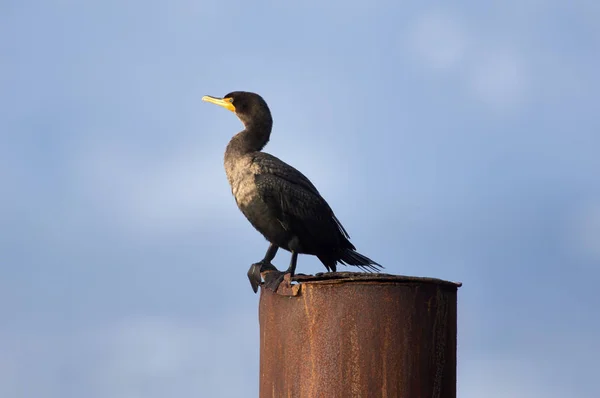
(229, 100)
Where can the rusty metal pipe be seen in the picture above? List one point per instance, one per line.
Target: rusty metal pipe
(358, 335)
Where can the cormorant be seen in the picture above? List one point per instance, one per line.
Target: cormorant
(278, 200)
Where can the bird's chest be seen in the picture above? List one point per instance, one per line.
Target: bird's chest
(241, 176)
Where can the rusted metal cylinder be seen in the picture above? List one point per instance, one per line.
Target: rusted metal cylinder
(358, 335)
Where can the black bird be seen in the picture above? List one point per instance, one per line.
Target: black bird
(278, 200)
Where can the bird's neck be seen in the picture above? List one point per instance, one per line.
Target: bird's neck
(252, 139)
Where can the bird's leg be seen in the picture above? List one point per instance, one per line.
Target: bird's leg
(274, 279)
(261, 266)
(292, 268)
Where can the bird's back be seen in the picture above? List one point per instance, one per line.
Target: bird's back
(298, 207)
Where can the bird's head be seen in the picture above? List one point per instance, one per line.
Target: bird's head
(249, 107)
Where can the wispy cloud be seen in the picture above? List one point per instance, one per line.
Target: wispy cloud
(144, 356)
(158, 357)
(157, 194)
(439, 39)
(489, 70)
(499, 78)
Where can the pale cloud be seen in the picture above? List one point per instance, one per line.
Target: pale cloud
(160, 357)
(155, 195)
(499, 78)
(140, 356)
(490, 71)
(439, 39)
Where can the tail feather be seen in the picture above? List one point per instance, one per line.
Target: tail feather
(351, 257)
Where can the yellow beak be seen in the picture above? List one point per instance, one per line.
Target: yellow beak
(226, 103)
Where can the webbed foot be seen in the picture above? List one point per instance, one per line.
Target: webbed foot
(255, 271)
(273, 279)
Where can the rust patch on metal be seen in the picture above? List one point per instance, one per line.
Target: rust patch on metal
(286, 288)
(358, 335)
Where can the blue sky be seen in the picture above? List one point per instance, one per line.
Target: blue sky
(455, 141)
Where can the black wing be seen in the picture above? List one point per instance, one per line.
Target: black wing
(297, 204)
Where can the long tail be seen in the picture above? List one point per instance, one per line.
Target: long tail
(352, 257)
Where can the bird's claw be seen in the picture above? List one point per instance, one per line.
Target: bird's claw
(254, 273)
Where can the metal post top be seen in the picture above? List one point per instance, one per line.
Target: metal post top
(328, 278)
(354, 277)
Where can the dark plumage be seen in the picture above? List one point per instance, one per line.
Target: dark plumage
(278, 200)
